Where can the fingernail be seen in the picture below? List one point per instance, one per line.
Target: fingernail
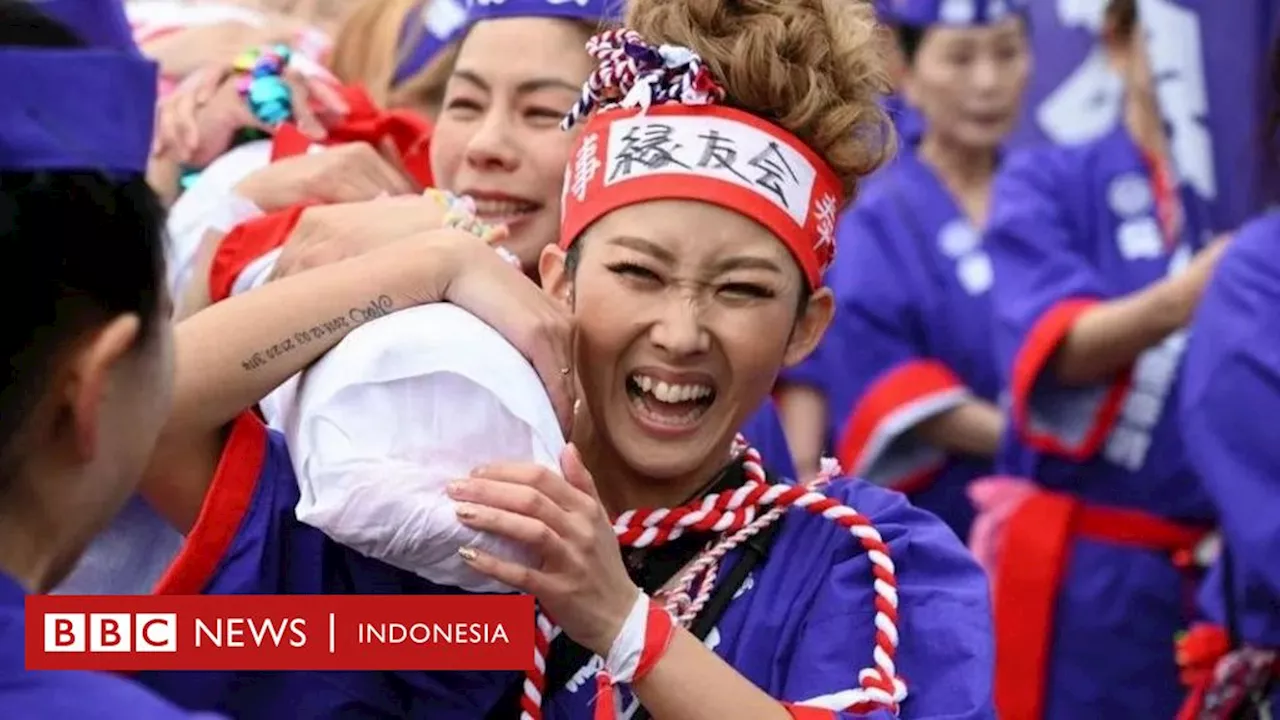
(480, 471)
(465, 511)
(456, 488)
(468, 554)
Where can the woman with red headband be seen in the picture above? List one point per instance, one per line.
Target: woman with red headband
(718, 142)
(698, 219)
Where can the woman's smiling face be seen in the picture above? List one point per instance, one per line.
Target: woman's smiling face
(685, 313)
(498, 136)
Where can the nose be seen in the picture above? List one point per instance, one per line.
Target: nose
(493, 146)
(679, 330)
(986, 75)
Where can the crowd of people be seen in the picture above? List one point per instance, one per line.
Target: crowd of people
(574, 298)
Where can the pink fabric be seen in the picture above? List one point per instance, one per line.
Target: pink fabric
(996, 498)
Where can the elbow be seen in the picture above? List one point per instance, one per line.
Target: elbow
(1075, 369)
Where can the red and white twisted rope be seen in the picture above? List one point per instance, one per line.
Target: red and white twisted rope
(632, 73)
(878, 686)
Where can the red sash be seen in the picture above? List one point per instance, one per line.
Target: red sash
(1032, 559)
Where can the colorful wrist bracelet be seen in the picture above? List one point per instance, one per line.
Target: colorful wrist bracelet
(460, 214)
(261, 83)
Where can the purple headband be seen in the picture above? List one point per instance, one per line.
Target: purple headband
(962, 13)
(83, 108)
(440, 22)
(426, 31)
(599, 11)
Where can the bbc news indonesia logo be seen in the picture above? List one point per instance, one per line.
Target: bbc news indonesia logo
(279, 632)
(111, 632)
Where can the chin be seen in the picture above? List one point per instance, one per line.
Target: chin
(669, 450)
(986, 137)
(662, 460)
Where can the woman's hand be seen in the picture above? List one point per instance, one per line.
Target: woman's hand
(328, 233)
(351, 173)
(581, 584)
(196, 122)
(1191, 283)
(497, 292)
(183, 52)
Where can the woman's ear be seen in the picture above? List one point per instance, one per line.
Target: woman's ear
(810, 326)
(557, 281)
(87, 381)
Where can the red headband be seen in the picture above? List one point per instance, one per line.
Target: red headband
(709, 153)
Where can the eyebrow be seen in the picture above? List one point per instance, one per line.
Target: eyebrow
(527, 87)
(740, 262)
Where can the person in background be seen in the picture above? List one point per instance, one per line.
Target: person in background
(906, 118)
(911, 371)
(390, 51)
(89, 371)
(131, 555)
(802, 392)
(1231, 384)
(1100, 258)
(183, 37)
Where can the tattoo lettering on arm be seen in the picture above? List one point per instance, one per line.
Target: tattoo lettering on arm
(334, 329)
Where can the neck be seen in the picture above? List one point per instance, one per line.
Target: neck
(32, 545)
(1143, 122)
(961, 168)
(622, 488)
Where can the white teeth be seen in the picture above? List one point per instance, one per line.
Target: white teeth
(670, 392)
(502, 208)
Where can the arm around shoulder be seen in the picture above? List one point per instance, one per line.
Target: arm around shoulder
(232, 354)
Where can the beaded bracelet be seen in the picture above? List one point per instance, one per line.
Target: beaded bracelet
(261, 83)
(460, 214)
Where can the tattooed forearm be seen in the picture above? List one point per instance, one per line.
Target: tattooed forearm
(328, 332)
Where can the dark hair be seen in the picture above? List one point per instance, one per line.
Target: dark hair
(909, 40)
(911, 37)
(79, 249)
(1121, 17)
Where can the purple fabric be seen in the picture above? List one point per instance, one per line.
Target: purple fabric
(426, 32)
(602, 11)
(99, 23)
(57, 695)
(801, 626)
(1231, 379)
(912, 284)
(51, 95)
(923, 13)
(69, 109)
(1213, 90)
(1078, 223)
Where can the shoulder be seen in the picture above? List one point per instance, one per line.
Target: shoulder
(74, 695)
(892, 563)
(877, 195)
(1256, 243)
(917, 541)
(1039, 165)
(1246, 283)
(1238, 308)
(1052, 168)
